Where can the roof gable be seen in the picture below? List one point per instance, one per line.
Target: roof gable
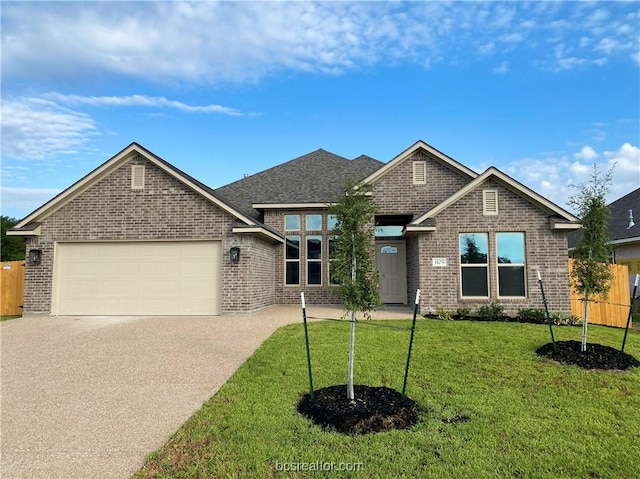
(409, 152)
(116, 162)
(565, 218)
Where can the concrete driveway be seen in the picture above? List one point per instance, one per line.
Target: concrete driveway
(90, 397)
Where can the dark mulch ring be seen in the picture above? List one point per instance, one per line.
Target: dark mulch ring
(375, 409)
(596, 356)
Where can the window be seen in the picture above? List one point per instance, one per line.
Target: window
(474, 268)
(332, 253)
(332, 221)
(292, 260)
(292, 222)
(314, 259)
(419, 172)
(511, 264)
(314, 222)
(137, 177)
(388, 231)
(490, 202)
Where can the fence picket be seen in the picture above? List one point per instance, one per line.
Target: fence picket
(11, 288)
(613, 311)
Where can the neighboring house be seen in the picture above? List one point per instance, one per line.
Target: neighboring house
(624, 233)
(139, 236)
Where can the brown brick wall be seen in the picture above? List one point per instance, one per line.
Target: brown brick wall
(165, 209)
(395, 192)
(546, 250)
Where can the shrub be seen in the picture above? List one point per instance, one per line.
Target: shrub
(562, 320)
(442, 313)
(491, 312)
(462, 313)
(532, 315)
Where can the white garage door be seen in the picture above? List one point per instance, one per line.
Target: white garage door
(138, 278)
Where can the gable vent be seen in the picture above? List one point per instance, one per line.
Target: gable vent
(419, 172)
(137, 177)
(490, 202)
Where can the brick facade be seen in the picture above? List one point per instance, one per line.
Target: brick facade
(395, 193)
(546, 250)
(165, 209)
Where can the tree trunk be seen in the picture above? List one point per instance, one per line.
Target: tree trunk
(352, 334)
(352, 341)
(585, 309)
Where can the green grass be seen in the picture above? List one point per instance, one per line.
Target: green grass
(7, 318)
(528, 418)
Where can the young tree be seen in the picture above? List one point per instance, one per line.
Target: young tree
(591, 274)
(353, 263)
(12, 247)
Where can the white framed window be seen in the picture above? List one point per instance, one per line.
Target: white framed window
(137, 177)
(474, 265)
(292, 260)
(292, 222)
(489, 202)
(332, 221)
(314, 260)
(512, 277)
(313, 222)
(419, 172)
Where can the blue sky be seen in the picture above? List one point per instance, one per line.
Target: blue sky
(541, 90)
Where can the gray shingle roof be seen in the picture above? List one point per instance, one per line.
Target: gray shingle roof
(619, 223)
(618, 226)
(316, 177)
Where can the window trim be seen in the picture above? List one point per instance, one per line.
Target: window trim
(329, 221)
(287, 260)
(314, 260)
(462, 265)
(285, 223)
(306, 222)
(504, 265)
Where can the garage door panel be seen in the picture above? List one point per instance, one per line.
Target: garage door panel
(154, 278)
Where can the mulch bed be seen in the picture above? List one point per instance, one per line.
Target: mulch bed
(375, 409)
(596, 356)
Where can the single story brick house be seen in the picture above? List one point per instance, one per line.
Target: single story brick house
(137, 236)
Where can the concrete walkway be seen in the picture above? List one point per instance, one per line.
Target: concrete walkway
(90, 397)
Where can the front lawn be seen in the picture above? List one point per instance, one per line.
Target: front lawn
(493, 408)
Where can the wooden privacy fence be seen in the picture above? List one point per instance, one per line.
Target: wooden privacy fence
(615, 310)
(12, 287)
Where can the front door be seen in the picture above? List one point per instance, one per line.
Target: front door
(391, 259)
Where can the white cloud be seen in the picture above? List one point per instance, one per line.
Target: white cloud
(34, 128)
(586, 153)
(502, 68)
(554, 176)
(606, 45)
(626, 160)
(139, 100)
(18, 202)
(217, 42)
